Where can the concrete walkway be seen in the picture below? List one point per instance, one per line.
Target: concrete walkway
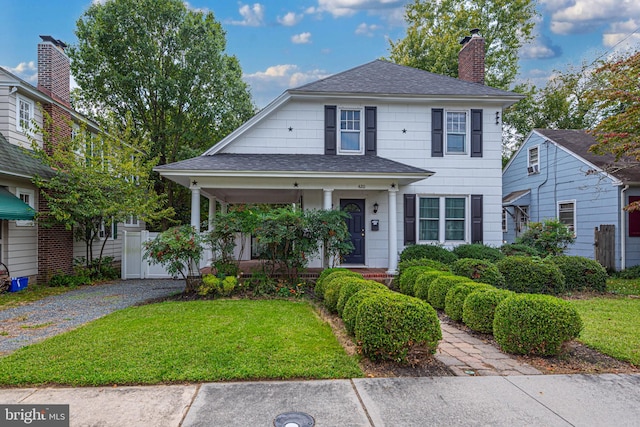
(541, 400)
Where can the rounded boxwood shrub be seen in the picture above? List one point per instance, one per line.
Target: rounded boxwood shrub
(535, 324)
(531, 275)
(423, 283)
(350, 310)
(479, 308)
(408, 278)
(389, 324)
(630, 273)
(478, 251)
(478, 270)
(439, 288)
(332, 288)
(519, 249)
(328, 274)
(434, 252)
(352, 285)
(454, 300)
(435, 265)
(582, 274)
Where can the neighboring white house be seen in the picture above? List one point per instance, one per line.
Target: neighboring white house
(28, 248)
(414, 157)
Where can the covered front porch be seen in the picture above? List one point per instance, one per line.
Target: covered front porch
(366, 187)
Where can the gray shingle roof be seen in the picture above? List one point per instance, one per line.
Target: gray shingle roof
(293, 163)
(579, 141)
(383, 77)
(15, 160)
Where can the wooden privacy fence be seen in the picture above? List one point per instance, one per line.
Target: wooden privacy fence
(605, 246)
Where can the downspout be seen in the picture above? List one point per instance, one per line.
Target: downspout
(623, 230)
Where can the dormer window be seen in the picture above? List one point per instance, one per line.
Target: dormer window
(350, 139)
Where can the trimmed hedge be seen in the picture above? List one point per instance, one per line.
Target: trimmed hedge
(423, 283)
(332, 289)
(350, 310)
(531, 275)
(389, 324)
(439, 288)
(353, 285)
(518, 249)
(408, 278)
(535, 324)
(434, 252)
(582, 274)
(435, 265)
(479, 308)
(454, 300)
(478, 251)
(328, 274)
(478, 270)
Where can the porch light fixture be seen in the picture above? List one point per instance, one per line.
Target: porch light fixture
(375, 208)
(497, 117)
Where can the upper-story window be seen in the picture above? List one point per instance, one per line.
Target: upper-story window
(132, 221)
(350, 139)
(24, 114)
(456, 132)
(533, 165)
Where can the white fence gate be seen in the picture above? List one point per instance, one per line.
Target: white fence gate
(134, 266)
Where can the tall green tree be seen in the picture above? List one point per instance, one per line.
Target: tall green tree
(435, 28)
(166, 65)
(100, 180)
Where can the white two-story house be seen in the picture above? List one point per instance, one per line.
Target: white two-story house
(414, 157)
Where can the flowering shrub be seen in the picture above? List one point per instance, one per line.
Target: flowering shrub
(178, 250)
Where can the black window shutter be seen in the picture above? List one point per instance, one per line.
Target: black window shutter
(476, 219)
(370, 138)
(409, 219)
(476, 133)
(437, 132)
(330, 129)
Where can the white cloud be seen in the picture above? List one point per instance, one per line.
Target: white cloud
(25, 70)
(188, 5)
(283, 76)
(365, 29)
(290, 19)
(253, 16)
(302, 38)
(541, 47)
(339, 8)
(583, 16)
(621, 35)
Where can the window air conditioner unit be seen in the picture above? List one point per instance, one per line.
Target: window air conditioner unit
(533, 169)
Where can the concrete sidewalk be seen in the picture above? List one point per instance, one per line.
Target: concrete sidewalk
(540, 400)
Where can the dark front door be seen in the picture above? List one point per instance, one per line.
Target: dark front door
(355, 224)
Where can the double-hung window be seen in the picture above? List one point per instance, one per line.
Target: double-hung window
(456, 132)
(533, 165)
(567, 214)
(442, 219)
(28, 198)
(350, 139)
(24, 114)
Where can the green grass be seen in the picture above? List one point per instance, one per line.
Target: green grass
(187, 342)
(623, 286)
(612, 326)
(32, 293)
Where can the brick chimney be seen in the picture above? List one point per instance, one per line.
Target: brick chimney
(471, 58)
(54, 70)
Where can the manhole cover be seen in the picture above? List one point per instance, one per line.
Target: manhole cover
(294, 419)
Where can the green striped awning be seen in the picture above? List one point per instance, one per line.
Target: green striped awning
(13, 208)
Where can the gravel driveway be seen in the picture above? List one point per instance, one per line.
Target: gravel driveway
(33, 322)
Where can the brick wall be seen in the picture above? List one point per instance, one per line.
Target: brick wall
(471, 59)
(55, 248)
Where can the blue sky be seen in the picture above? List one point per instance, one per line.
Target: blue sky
(286, 43)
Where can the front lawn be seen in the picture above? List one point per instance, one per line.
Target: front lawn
(194, 341)
(612, 326)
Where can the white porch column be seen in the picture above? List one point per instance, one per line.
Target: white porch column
(224, 207)
(195, 205)
(212, 212)
(393, 231)
(327, 204)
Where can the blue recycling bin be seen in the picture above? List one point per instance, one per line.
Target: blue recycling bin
(18, 284)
